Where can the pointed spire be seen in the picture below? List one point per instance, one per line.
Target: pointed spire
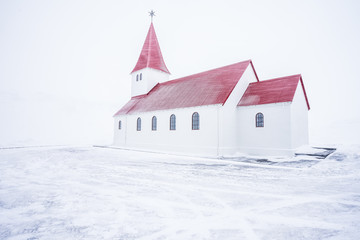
(150, 55)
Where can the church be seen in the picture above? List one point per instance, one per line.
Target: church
(219, 112)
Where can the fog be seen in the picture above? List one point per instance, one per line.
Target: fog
(64, 65)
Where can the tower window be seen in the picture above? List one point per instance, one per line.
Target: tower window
(138, 124)
(259, 118)
(154, 123)
(172, 122)
(140, 76)
(195, 121)
(137, 77)
(119, 125)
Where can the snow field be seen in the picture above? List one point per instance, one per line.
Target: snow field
(96, 193)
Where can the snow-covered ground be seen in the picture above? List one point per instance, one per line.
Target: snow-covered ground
(100, 193)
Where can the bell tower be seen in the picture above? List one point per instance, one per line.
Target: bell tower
(150, 68)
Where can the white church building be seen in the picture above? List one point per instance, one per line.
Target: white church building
(215, 113)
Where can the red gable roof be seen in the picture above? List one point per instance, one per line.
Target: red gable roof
(272, 91)
(150, 55)
(206, 88)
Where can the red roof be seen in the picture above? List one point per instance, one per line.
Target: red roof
(272, 91)
(150, 55)
(206, 88)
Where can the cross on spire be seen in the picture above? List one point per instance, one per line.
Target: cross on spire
(152, 14)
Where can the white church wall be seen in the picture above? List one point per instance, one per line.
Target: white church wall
(183, 140)
(272, 139)
(150, 77)
(227, 114)
(299, 119)
(119, 134)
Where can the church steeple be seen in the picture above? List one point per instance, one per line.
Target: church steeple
(150, 56)
(150, 69)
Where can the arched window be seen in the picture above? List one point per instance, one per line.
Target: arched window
(154, 123)
(259, 118)
(140, 76)
(137, 77)
(195, 121)
(172, 122)
(119, 124)
(138, 124)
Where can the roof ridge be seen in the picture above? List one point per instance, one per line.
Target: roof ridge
(203, 72)
(279, 78)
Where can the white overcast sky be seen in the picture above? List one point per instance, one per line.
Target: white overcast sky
(64, 65)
